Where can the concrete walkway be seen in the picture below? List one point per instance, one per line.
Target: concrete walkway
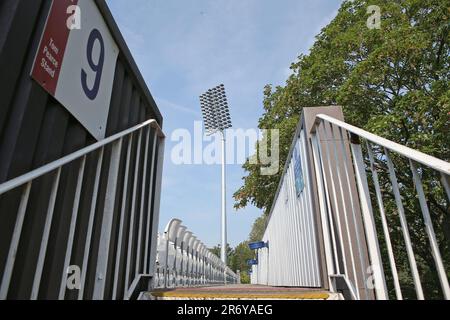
(242, 292)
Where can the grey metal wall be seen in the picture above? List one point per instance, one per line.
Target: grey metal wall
(293, 256)
(343, 211)
(297, 245)
(35, 130)
(299, 229)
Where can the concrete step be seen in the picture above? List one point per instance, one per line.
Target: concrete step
(242, 292)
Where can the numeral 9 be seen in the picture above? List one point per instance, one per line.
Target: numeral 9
(97, 68)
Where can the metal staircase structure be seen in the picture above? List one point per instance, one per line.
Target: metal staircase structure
(328, 232)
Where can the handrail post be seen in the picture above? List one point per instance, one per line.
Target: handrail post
(404, 226)
(369, 222)
(166, 265)
(430, 232)
(107, 220)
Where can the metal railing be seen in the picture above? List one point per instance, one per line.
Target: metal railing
(340, 163)
(95, 226)
(184, 261)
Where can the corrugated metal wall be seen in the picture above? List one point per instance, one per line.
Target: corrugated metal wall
(292, 258)
(35, 129)
(302, 248)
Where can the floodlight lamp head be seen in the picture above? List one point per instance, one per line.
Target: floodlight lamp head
(215, 111)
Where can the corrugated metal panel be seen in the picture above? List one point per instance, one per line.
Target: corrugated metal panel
(35, 130)
(299, 230)
(293, 256)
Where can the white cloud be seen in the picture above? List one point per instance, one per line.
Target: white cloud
(164, 103)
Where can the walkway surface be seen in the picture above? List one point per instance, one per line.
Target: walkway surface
(241, 292)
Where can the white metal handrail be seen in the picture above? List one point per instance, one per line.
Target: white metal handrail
(147, 209)
(420, 157)
(184, 261)
(17, 182)
(330, 131)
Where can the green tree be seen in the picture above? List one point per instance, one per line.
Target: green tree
(258, 228)
(245, 278)
(237, 258)
(241, 254)
(392, 81)
(230, 252)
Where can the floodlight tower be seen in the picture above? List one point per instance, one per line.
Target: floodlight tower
(216, 116)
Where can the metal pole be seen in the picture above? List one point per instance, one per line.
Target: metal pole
(224, 209)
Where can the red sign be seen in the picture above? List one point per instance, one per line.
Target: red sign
(49, 59)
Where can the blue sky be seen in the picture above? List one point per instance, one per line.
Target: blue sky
(184, 48)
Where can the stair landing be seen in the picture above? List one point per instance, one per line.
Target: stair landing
(241, 292)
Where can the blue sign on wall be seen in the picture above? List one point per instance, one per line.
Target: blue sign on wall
(252, 262)
(298, 172)
(257, 245)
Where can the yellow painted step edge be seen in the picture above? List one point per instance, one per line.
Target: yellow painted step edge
(305, 296)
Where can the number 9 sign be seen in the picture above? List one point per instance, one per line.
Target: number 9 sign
(77, 66)
(96, 68)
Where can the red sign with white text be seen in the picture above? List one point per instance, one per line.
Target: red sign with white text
(49, 59)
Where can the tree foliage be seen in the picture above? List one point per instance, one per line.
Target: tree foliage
(237, 258)
(241, 254)
(393, 82)
(216, 250)
(258, 228)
